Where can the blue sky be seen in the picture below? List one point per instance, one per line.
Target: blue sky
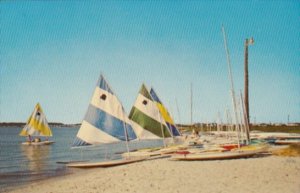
(54, 52)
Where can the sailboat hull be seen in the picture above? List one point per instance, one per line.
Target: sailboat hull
(287, 141)
(111, 163)
(38, 143)
(215, 156)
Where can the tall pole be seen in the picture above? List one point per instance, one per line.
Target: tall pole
(191, 104)
(246, 87)
(179, 118)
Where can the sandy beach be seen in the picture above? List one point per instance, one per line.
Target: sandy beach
(267, 174)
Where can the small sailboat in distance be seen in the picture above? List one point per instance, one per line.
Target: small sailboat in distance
(37, 126)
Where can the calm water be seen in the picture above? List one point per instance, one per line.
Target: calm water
(21, 164)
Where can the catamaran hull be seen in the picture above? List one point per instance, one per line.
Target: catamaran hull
(38, 143)
(105, 163)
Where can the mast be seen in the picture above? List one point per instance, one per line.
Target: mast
(231, 85)
(124, 122)
(191, 104)
(162, 132)
(219, 123)
(228, 122)
(178, 112)
(125, 133)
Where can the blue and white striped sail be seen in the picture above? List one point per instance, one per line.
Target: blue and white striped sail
(105, 120)
(165, 114)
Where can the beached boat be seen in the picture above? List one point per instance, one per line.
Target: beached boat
(244, 152)
(37, 127)
(165, 115)
(110, 163)
(274, 135)
(104, 122)
(287, 141)
(146, 118)
(151, 120)
(213, 156)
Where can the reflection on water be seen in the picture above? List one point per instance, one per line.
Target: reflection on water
(37, 156)
(26, 163)
(21, 164)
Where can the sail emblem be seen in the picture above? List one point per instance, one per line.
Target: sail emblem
(145, 102)
(103, 97)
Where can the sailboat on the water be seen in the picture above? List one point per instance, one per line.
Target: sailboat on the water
(105, 122)
(37, 127)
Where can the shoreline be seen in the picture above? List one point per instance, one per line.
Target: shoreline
(37, 177)
(264, 174)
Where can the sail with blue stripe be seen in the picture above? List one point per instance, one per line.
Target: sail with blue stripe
(105, 120)
(165, 114)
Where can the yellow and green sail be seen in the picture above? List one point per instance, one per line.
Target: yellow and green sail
(146, 119)
(37, 124)
(165, 114)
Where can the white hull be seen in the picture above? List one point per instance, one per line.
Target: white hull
(287, 142)
(38, 143)
(110, 163)
(215, 156)
(276, 135)
(141, 154)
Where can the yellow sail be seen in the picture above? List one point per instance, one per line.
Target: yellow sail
(37, 124)
(165, 114)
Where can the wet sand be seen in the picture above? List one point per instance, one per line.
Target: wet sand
(258, 175)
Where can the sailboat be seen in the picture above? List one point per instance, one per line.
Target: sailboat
(151, 121)
(146, 118)
(105, 122)
(37, 126)
(165, 114)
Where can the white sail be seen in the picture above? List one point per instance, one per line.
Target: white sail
(105, 120)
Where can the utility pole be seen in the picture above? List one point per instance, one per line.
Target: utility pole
(191, 104)
(246, 91)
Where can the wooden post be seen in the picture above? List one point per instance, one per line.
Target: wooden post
(191, 104)
(246, 87)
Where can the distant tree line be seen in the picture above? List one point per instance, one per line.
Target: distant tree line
(21, 124)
